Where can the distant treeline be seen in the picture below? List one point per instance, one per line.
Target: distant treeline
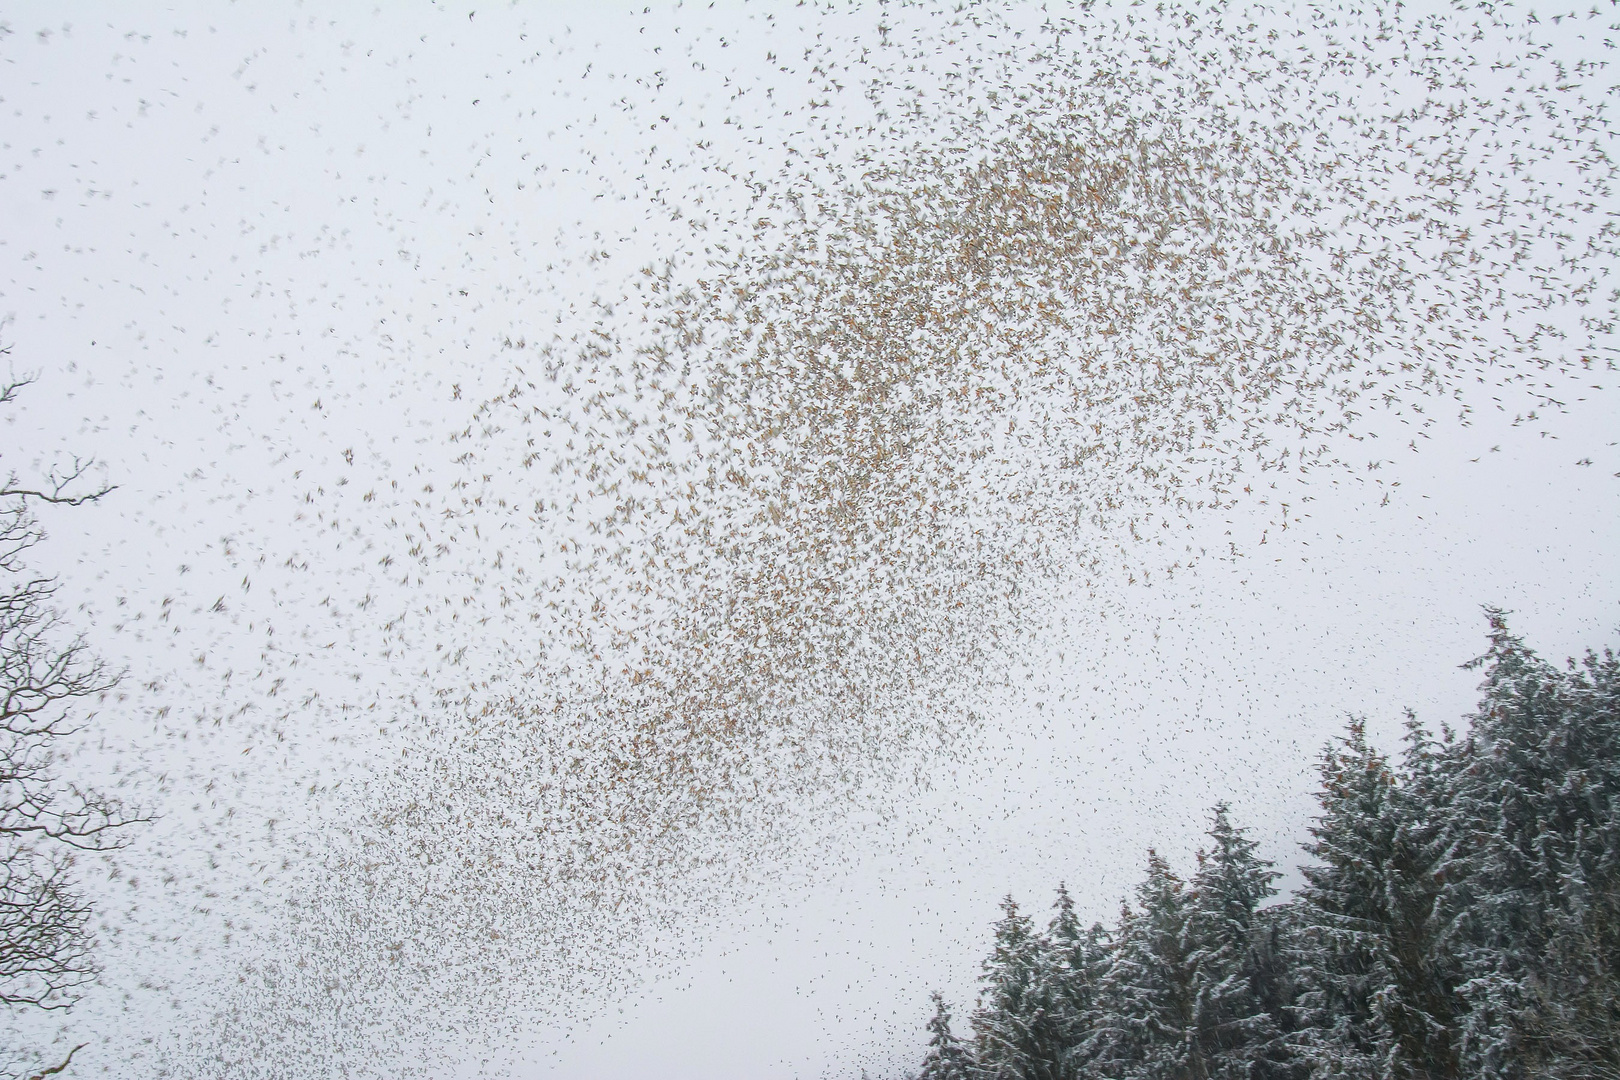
(1460, 917)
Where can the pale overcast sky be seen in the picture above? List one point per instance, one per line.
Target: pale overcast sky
(601, 593)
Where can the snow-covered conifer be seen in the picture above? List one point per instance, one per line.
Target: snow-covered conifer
(1226, 937)
(1077, 959)
(947, 1058)
(1533, 887)
(1145, 1026)
(1379, 988)
(1015, 1026)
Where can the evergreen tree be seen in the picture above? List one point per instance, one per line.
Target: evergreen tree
(1077, 959)
(1534, 884)
(947, 1058)
(1226, 933)
(1379, 997)
(1425, 1014)
(1460, 917)
(1146, 1017)
(1017, 1035)
(1340, 960)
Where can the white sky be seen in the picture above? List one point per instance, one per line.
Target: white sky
(241, 241)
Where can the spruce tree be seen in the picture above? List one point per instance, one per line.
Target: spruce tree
(1533, 887)
(1145, 1025)
(1460, 917)
(1425, 1013)
(1238, 1036)
(947, 1058)
(1340, 958)
(1379, 997)
(1077, 959)
(1016, 1031)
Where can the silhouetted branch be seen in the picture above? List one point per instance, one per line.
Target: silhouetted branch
(54, 1069)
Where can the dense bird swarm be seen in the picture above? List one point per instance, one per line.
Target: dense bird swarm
(940, 316)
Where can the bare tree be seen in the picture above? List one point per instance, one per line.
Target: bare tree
(45, 940)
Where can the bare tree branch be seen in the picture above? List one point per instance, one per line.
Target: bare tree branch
(46, 678)
(55, 490)
(54, 1069)
(56, 485)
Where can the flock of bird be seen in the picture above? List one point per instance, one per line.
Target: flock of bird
(948, 314)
